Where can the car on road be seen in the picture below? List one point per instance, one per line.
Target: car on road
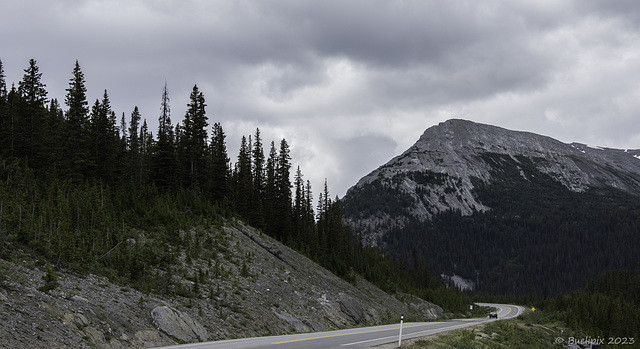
(493, 315)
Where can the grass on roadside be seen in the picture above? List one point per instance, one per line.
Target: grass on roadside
(530, 330)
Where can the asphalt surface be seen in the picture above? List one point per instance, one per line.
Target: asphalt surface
(363, 337)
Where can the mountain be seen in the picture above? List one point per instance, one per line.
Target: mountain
(255, 286)
(509, 211)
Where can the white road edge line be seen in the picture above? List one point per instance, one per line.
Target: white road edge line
(434, 331)
(370, 340)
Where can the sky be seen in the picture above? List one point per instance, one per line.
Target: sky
(349, 84)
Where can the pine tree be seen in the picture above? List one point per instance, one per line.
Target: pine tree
(308, 220)
(219, 162)
(76, 153)
(165, 160)
(243, 181)
(146, 148)
(29, 120)
(164, 121)
(283, 202)
(104, 139)
(194, 140)
(3, 112)
(10, 134)
(3, 84)
(298, 204)
(52, 139)
(270, 192)
(135, 153)
(258, 164)
(31, 88)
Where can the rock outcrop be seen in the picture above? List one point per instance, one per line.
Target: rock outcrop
(178, 325)
(254, 286)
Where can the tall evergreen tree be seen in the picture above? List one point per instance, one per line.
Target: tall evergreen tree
(53, 138)
(77, 158)
(3, 106)
(309, 230)
(3, 84)
(165, 129)
(105, 145)
(219, 162)
(31, 88)
(283, 201)
(135, 153)
(29, 120)
(270, 192)
(242, 180)
(194, 140)
(298, 204)
(258, 165)
(10, 130)
(146, 149)
(165, 162)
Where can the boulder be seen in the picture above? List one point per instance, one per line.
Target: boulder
(178, 325)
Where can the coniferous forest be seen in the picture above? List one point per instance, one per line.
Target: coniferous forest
(80, 181)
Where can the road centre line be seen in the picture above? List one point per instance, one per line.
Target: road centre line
(353, 333)
(370, 340)
(428, 332)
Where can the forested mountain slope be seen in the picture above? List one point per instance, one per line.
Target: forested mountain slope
(511, 211)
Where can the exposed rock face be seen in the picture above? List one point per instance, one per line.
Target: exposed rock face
(352, 309)
(437, 173)
(178, 325)
(280, 292)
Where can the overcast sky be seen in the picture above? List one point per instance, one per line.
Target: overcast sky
(349, 84)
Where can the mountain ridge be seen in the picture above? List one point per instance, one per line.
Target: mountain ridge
(452, 149)
(465, 190)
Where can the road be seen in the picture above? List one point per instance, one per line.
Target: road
(363, 337)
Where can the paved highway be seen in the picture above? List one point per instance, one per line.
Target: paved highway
(363, 337)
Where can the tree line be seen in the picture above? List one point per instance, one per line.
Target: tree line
(78, 183)
(81, 145)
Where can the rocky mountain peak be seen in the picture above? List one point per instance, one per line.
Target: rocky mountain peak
(440, 171)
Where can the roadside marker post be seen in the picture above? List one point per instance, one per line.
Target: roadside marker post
(400, 336)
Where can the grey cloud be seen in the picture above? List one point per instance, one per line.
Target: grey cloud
(565, 69)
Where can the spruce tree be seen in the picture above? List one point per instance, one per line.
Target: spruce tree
(283, 202)
(298, 204)
(3, 105)
(3, 85)
(164, 121)
(76, 154)
(243, 181)
(29, 120)
(31, 88)
(135, 154)
(194, 140)
(146, 148)
(105, 146)
(10, 130)
(164, 166)
(270, 192)
(219, 162)
(258, 165)
(52, 139)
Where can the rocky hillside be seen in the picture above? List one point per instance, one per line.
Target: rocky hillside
(442, 169)
(252, 286)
